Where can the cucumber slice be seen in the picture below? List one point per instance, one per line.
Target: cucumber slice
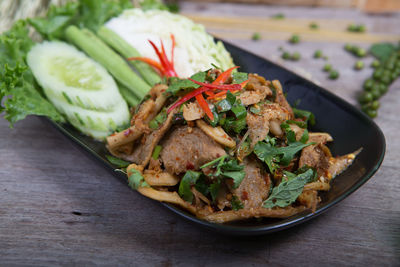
(79, 88)
(92, 122)
(69, 75)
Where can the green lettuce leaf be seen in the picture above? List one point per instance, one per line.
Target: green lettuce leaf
(19, 94)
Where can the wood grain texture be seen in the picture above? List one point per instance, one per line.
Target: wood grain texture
(58, 207)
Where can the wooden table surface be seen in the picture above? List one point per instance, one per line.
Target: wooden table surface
(58, 207)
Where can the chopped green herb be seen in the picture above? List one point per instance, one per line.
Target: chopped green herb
(136, 180)
(239, 77)
(214, 189)
(156, 152)
(306, 115)
(159, 119)
(177, 85)
(117, 162)
(288, 190)
(255, 110)
(236, 203)
(273, 156)
(188, 180)
(228, 169)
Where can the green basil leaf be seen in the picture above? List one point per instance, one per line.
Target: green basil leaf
(188, 180)
(288, 190)
(239, 77)
(177, 85)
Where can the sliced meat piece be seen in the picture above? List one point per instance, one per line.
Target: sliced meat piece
(216, 133)
(315, 156)
(224, 197)
(339, 164)
(257, 89)
(143, 149)
(318, 155)
(281, 99)
(192, 111)
(235, 215)
(309, 198)
(186, 148)
(254, 188)
(259, 125)
(258, 128)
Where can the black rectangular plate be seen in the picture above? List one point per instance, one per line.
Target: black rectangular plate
(349, 127)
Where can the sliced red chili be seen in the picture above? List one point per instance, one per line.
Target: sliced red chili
(187, 97)
(218, 86)
(204, 106)
(224, 76)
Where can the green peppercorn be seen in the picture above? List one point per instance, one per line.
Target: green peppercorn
(286, 55)
(372, 113)
(368, 84)
(333, 74)
(375, 105)
(325, 57)
(317, 54)
(361, 28)
(390, 65)
(256, 36)
(386, 79)
(348, 47)
(383, 88)
(365, 97)
(365, 107)
(327, 67)
(294, 39)
(376, 94)
(314, 26)
(361, 52)
(352, 27)
(295, 56)
(359, 65)
(378, 74)
(375, 63)
(393, 75)
(280, 48)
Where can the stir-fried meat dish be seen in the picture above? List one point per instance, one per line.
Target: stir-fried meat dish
(226, 146)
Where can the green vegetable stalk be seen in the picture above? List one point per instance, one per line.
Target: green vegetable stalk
(127, 51)
(99, 51)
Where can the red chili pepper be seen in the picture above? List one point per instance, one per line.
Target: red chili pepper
(204, 106)
(168, 68)
(188, 96)
(224, 76)
(151, 62)
(218, 86)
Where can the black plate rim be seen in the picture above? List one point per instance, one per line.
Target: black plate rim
(284, 223)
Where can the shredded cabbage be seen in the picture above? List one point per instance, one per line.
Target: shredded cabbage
(195, 50)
